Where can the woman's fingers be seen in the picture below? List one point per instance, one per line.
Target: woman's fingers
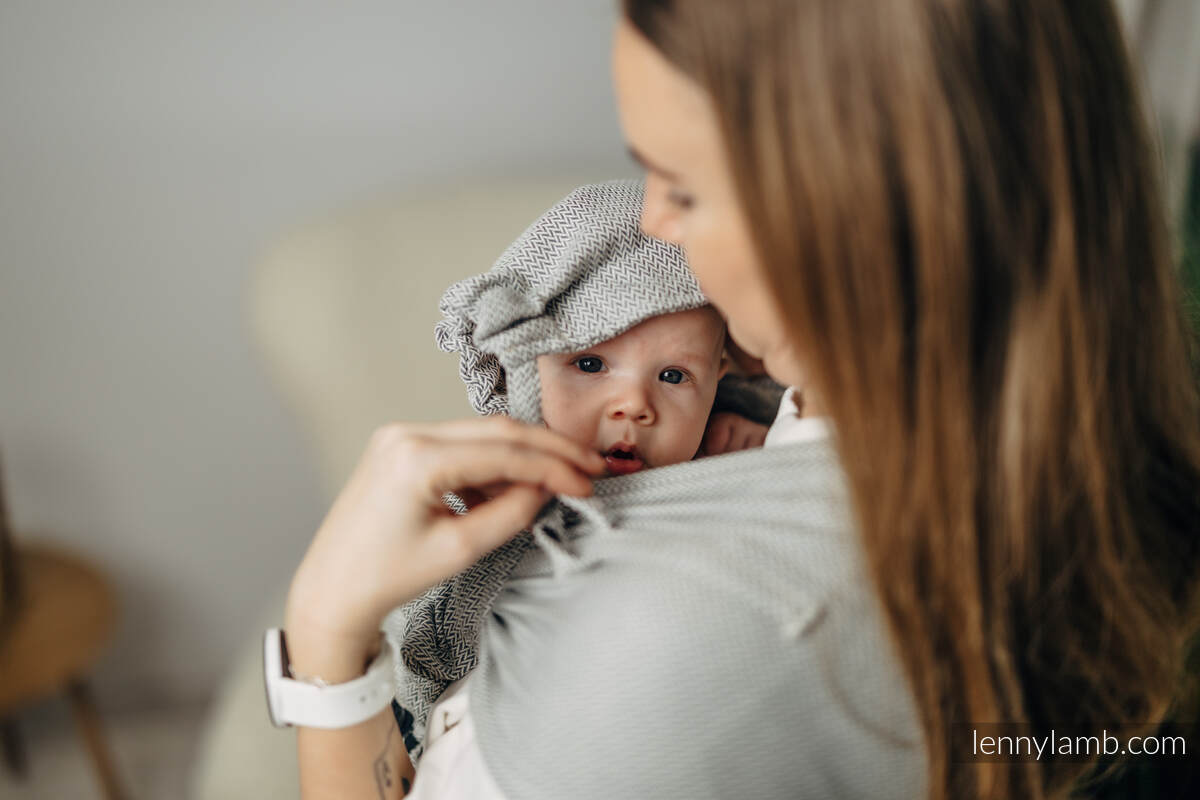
(459, 541)
(453, 465)
(474, 495)
(753, 435)
(388, 537)
(730, 433)
(716, 439)
(504, 429)
(760, 436)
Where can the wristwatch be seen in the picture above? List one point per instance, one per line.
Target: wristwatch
(296, 700)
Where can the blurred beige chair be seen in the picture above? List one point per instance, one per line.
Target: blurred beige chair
(343, 312)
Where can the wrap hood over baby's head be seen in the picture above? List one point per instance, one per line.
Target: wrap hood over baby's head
(583, 273)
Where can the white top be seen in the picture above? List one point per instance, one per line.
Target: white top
(789, 427)
(452, 767)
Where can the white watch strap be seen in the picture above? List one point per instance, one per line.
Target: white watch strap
(295, 702)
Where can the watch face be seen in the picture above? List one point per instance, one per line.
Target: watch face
(274, 663)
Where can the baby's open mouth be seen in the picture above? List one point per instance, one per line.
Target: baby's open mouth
(623, 458)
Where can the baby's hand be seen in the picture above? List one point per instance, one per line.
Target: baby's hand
(728, 432)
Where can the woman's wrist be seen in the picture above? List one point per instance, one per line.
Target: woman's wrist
(315, 651)
(324, 644)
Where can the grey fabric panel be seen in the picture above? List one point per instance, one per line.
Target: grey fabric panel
(714, 637)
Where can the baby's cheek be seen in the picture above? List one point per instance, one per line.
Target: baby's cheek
(567, 422)
(575, 433)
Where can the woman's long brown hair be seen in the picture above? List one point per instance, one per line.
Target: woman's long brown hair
(957, 205)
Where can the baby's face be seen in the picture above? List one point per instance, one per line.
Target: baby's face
(643, 398)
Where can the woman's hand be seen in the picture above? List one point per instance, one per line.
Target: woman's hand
(388, 536)
(728, 432)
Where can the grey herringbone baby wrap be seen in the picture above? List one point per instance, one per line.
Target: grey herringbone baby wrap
(697, 630)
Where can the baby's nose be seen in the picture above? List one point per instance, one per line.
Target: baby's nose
(633, 404)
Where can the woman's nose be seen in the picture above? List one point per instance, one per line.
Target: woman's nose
(659, 218)
(634, 405)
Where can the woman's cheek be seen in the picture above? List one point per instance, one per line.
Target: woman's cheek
(712, 270)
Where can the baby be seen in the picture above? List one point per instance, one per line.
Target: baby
(643, 398)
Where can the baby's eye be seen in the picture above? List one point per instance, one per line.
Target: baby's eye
(672, 376)
(589, 364)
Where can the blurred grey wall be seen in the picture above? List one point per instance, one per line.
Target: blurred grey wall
(148, 153)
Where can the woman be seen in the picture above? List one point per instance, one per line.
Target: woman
(939, 219)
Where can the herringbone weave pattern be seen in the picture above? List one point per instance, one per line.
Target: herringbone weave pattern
(580, 275)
